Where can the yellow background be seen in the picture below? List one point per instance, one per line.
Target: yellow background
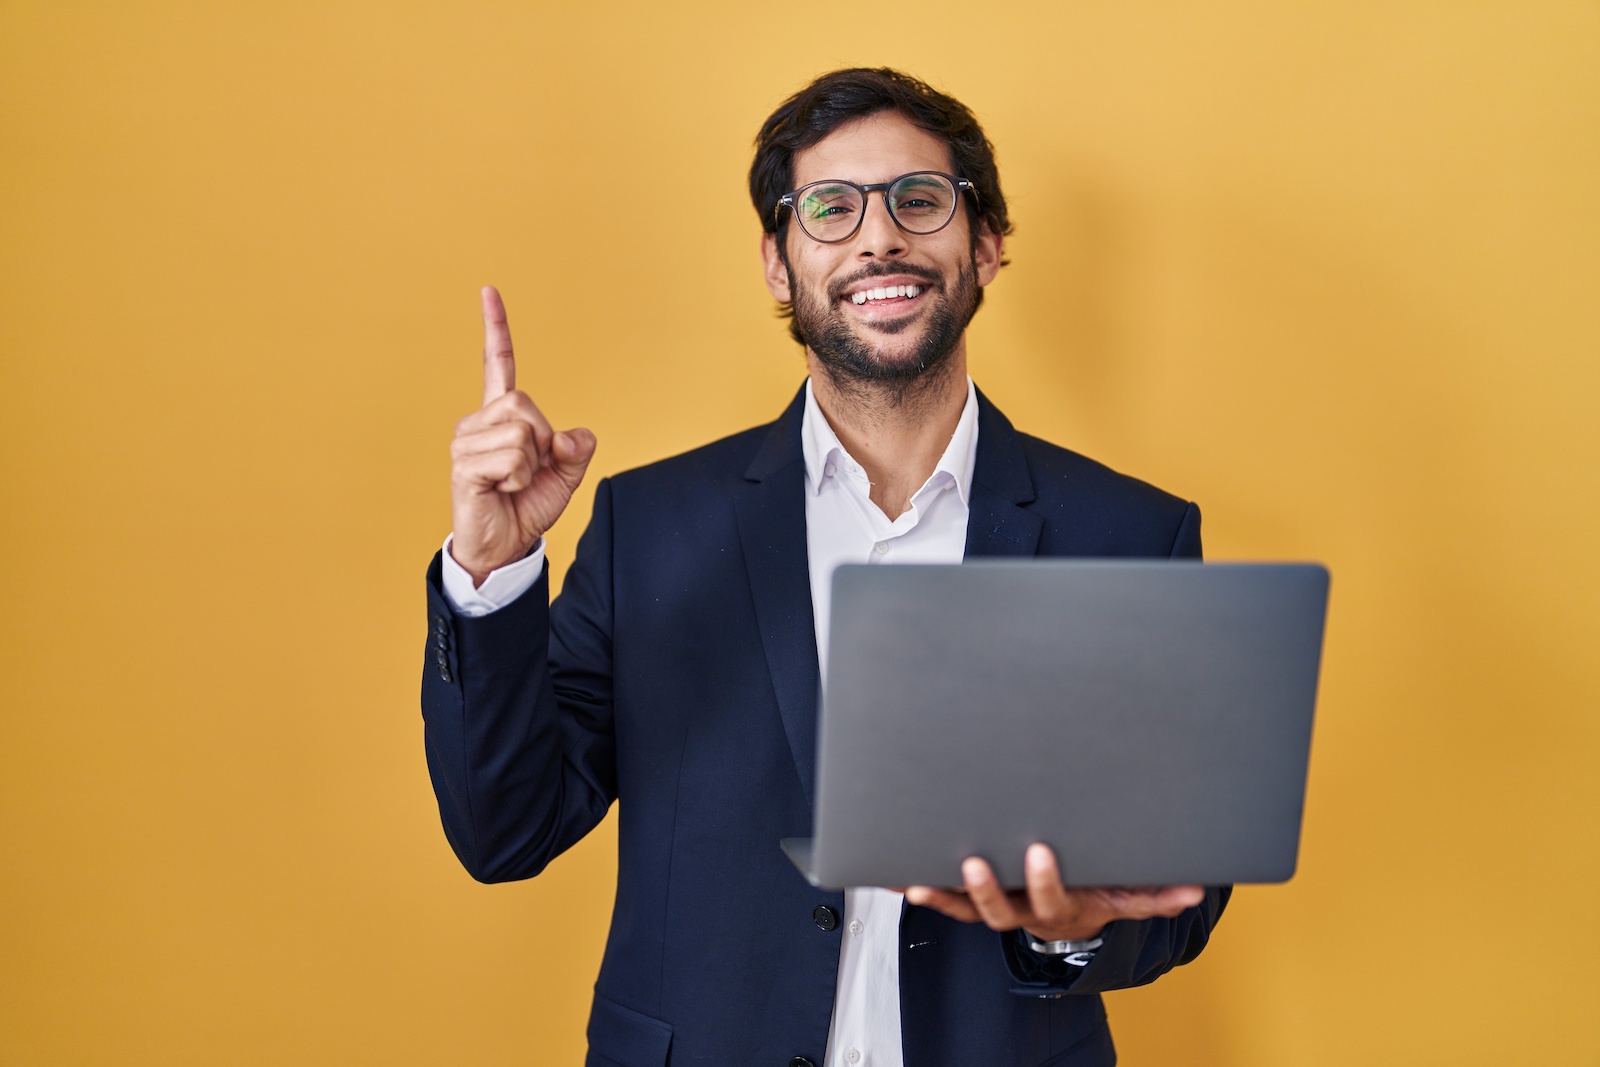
(1331, 269)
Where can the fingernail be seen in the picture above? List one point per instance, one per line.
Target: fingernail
(974, 871)
(562, 441)
(1038, 857)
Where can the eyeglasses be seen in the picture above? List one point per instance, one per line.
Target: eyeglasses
(921, 202)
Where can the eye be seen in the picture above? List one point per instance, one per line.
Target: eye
(923, 198)
(829, 202)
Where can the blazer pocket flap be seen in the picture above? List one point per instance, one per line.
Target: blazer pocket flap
(622, 1036)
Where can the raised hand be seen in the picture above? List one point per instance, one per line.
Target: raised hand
(511, 475)
(1048, 910)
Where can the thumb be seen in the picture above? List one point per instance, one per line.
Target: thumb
(570, 453)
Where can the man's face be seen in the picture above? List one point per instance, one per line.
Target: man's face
(900, 338)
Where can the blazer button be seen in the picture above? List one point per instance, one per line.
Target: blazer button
(826, 919)
(444, 673)
(801, 1061)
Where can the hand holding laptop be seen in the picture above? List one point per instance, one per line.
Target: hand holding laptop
(1047, 909)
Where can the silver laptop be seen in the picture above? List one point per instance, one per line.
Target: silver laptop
(1150, 720)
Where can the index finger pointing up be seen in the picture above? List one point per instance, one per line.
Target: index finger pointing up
(499, 365)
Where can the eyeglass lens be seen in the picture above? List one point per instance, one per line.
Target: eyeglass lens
(920, 203)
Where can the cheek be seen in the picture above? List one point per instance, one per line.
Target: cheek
(810, 275)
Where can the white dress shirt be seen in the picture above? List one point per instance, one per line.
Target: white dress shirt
(843, 525)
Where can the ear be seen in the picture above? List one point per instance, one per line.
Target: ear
(777, 275)
(988, 252)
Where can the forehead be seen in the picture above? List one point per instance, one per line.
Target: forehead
(872, 149)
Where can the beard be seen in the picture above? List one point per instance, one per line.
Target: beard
(855, 364)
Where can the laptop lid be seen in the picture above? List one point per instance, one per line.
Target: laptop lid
(1150, 720)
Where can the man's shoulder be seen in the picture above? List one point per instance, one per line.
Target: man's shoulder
(1089, 509)
(1062, 475)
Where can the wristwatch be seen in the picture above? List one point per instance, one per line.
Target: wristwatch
(1065, 948)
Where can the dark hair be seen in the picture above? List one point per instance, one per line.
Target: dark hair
(843, 96)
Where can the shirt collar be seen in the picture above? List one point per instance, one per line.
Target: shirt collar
(820, 446)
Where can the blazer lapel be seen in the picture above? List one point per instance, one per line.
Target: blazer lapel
(772, 532)
(997, 525)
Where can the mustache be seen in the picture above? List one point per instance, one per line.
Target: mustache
(879, 270)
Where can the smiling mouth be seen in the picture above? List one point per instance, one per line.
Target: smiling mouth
(888, 294)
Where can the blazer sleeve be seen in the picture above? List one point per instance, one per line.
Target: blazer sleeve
(1135, 951)
(517, 723)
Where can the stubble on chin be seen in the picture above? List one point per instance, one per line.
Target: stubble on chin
(865, 372)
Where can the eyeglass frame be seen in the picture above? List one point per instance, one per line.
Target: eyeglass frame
(787, 201)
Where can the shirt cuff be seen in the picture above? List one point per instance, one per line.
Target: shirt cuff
(499, 589)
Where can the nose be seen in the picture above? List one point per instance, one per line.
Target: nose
(879, 237)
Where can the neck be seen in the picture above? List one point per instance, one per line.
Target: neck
(897, 431)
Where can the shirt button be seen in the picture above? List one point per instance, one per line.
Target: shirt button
(881, 547)
(852, 1055)
(856, 926)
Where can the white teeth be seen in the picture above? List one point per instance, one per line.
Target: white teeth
(888, 292)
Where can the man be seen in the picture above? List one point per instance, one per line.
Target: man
(678, 672)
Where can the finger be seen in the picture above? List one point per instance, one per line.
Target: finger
(506, 470)
(1047, 897)
(955, 905)
(1176, 898)
(994, 906)
(495, 437)
(499, 437)
(1166, 901)
(499, 365)
(512, 407)
(570, 453)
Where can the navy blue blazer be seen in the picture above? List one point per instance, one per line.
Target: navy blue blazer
(677, 675)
